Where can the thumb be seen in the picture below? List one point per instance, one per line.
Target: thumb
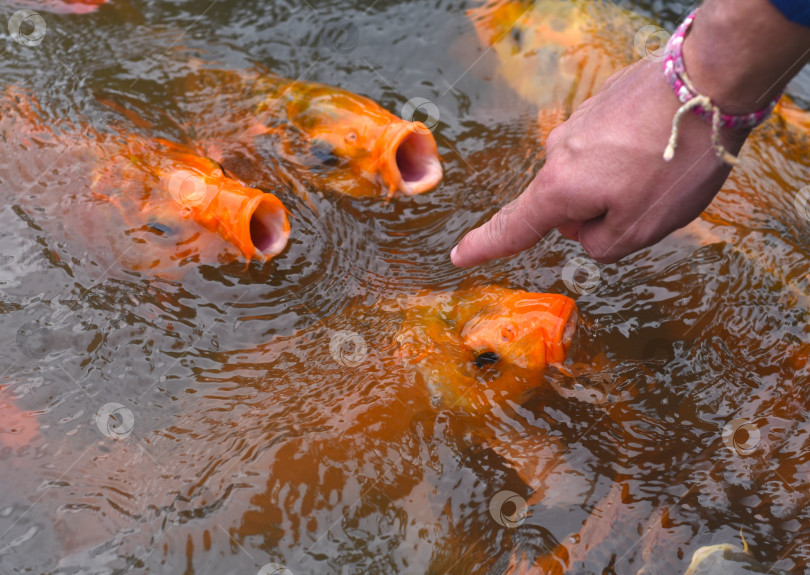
(517, 226)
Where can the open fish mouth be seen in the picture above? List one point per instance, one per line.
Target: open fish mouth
(410, 161)
(268, 228)
(569, 330)
(251, 220)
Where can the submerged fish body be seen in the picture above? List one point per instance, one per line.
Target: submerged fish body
(365, 411)
(153, 205)
(472, 345)
(556, 53)
(63, 6)
(17, 427)
(340, 141)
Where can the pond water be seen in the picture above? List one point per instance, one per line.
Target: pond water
(250, 438)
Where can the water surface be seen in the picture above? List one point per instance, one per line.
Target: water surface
(252, 443)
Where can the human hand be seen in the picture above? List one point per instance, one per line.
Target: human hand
(605, 181)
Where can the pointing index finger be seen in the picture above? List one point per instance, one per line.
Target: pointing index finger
(516, 227)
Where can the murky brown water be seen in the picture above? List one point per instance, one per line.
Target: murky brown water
(251, 441)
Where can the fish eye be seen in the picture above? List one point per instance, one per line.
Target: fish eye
(162, 228)
(324, 153)
(517, 37)
(486, 358)
(351, 137)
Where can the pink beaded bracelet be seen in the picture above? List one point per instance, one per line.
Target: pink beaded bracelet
(700, 104)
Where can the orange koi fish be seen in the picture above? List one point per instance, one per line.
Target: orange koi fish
(170, 206)
(472, 344)
(556, 53)
(337, 140)
(17, 427)
(197, 189)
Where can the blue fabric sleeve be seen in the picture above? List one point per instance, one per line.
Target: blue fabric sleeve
(794, 10)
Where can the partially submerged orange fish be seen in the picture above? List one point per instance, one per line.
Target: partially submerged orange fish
(556, 53)
(156, 205)
(193, 188)
(473, 345)
(17, 427)
(366, 409)
(63, 6)
(334, 139)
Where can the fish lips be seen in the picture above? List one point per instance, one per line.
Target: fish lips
(409, 158)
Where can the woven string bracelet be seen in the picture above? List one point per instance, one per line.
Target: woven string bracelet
(700, 104)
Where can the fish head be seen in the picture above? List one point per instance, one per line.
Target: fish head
(408, 158)
(528, 330)
(253, 221)
(477, 346)
(348, 130)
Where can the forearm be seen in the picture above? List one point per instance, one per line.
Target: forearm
(741, 53)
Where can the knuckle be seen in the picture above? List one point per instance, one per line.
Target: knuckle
(575, 145)
(611, 244)
(501, 231)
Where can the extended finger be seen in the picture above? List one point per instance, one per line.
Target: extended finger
(517, 226)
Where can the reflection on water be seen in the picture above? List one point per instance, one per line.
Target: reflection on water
(238, 417)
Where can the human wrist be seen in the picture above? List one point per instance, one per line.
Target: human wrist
(742, 53)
